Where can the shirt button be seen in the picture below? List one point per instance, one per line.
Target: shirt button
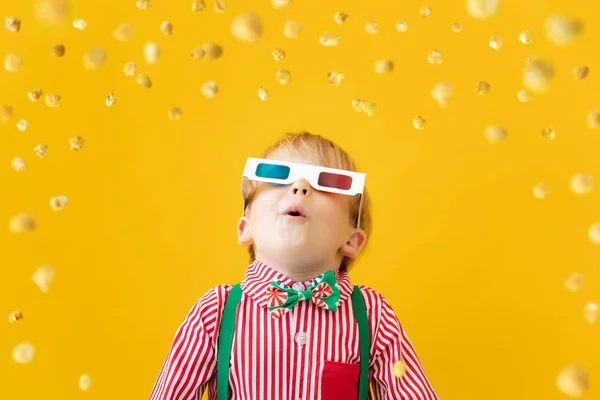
(301, 338)
(298, 286)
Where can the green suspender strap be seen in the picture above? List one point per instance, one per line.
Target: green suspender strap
(227, 329)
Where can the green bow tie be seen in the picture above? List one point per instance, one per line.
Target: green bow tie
(324, 292)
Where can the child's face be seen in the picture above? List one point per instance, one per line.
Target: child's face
(321, 237)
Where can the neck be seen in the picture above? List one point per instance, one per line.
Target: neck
(300, 272)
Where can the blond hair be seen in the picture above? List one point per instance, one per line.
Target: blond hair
(329, 155)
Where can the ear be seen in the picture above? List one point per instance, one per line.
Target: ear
(354, 244)
(244, 234)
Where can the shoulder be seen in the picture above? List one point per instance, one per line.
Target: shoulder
(208, 308)
(372, 298)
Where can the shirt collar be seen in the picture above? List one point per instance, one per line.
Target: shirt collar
(259, 276)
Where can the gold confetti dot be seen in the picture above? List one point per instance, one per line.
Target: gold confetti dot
(548, 132)
(524, 96)
(482, 88)
(35, 94)
(329, 40)
(130, 69)
(41, 150)
(59, 203)
(209, 89)
(435, 57)
(212, 51)
(401, 25)
(340, 17)
(94, 59)
(442, 92)
(12, 63)
(590, 312)
(562, 30)
(144, 80)
(79, 24)
(292, 29)
(495, 134)
(151, 53)
(425, 12)
(482, 9)
(51, 12)
(540, 191)
(123, 32)
(575, 282)
(496, 41)
(581, 72)
(372, 27)
(263, 94)
(537, 76)
(23, 353)
(76, 143)
(143, 4)
(18, 164)
(57, 50)
(15, 316)
(384, 66)
(283, 76)
(6, 113)
(357, 104)
(419, 122)
(594, 119)
(13, 24)
(335, 78)
(85, 382)
(457, 27)
(22, 125)
(166, 27)
(198, 5)
(22, 223)
(280, 3)
(110, 99)
(278, 55)
(368, 107)
(52, 100)
(573, 381)
(594, 233)
(197, 54)
(175, 113)
(582, 184)
(43, 277)
(220, 6)
(399, 369)
(525, 37)
(247, 27)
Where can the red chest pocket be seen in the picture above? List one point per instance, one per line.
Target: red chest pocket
(339, 381)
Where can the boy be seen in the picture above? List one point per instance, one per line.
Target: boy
(304, 226)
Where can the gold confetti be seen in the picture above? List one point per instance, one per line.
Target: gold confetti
(12, 63)
(562, 30)
(143, 4)
(57, 50)
(482, 9)
(94, 59)
(525, 37)
(384, 66)
(123, 32)
(85, 382)
(419, 122)
(43, 277)
(15, 316)
(35, 94)
(335, 78)
(51, 12)
(175, 113)
(457, 27)
(151, 53)
(594, 233)
(399, 369)
(482, 88)
(537, 76)
(166, 27)
(548, 132)
(435, 57)
(329, 40)
(283, 76)
(197, 54)
(540, 191)
(524, 96)
(130, 69)
(52, 100)
(401, 25)
(110, 99)
(22, 223)
(22, 125)
(280, 3)
(6, 113)
(496, 41)
(23, 353)
(573, 381)
(212, 51)
(372, 27)
(368, 107)
(292, 29)
(18, 164)
(495, 134)
(425, 12)
(76, 143)
(41, 150)
(59, 203)
(144, 80)
(220, 6)
(247, 27)
(442, 92)
(79, 24)
(278, 55)
(590, 312)
(340, 17)
(198, 5)
(581, 72)
(582, 184)
(263, 94)
(594, 119)
(209, 89)
(13, 24)
(575, 282)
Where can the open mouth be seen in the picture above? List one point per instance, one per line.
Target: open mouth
(295, 212)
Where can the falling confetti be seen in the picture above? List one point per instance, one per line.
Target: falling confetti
(22, 125)
(175, 113)
(482, 88)
(582, 184)
(425, 12)
(283, 76)
(575, 282)
(401, 25)
(85, 382)
(51, 12)
(537, 76)
(361, 105)
(57, 50)
(76, 143)
(384, 66)
(13, 24)
(22, 223)
(573, 381)
(247, 27)
(166, 27)
(198, 5)
(151, 53)
(41, 150)
(123, 32)
(496, 41)
(562, 30)
(280, 3)
(52, 100)
(197, 54)
(581, 72)
(482, 9)
(12, 63)
(79, 24)
(594, 119)
(15, 316)
(263, 94)
(18, 164)
(220, 6)
(23, 353)
(457, 27)
(278, 55)
(419, 122)
(144, 80)
(130, 69)
(35, 94)
(525, 37)
(43, 277)
(59, 203)
(335, 78)
(590, 312)
(524, 96)
(548, 132)
(594, 233)
(329, 40)
(435, 57)
(212, 51)
(143, 4)
(372, 27)
(495, 134)
(110, 99)
(540, 191)
(6, 112)
(94, 59)
(209, 89)
(399, 369)
(292, 29)
(340, 17)
(442, 92)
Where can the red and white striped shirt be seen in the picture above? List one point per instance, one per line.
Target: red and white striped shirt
(304, 354)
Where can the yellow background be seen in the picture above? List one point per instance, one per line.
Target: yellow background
(472, 262)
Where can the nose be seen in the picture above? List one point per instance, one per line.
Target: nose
(301, 187)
